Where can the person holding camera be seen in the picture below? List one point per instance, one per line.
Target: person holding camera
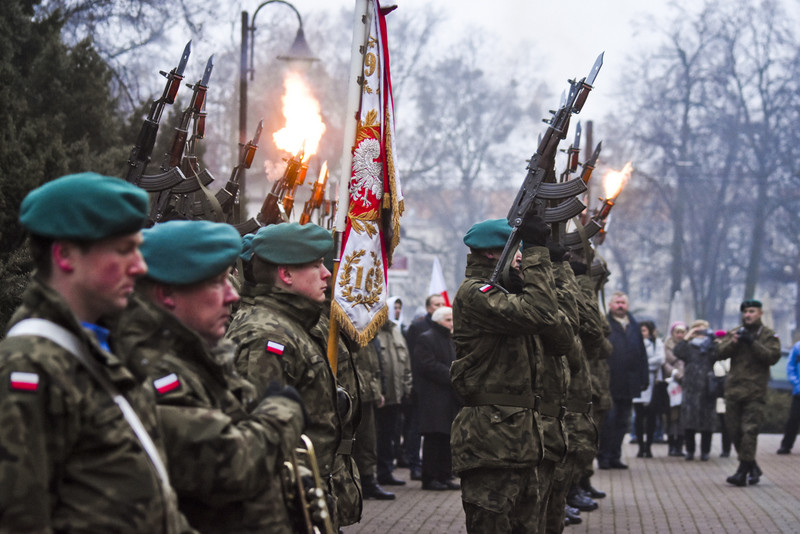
(752, 348)
(698, 407)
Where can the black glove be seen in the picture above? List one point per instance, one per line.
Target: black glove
(274, 389)
(342, 402)
(534, 231)
(745, 336)
(558, 252)
(578, 268)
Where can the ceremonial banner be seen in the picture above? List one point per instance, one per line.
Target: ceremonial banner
(437, 285)
(375, 200)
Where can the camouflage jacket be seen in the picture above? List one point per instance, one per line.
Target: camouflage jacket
(590, 335)
(395, 364)
(597, 349)
(225, 450)
(368, 368)
(495, 367)
(69, 461)
(344, 478)
(271, 331)
(749, 374)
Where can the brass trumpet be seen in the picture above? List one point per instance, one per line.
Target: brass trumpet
(309, 503)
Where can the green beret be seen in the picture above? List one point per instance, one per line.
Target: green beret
(752, 303)
(492, 233)
(292, 243)
(247, 247)
(185, 252)
(85, 206)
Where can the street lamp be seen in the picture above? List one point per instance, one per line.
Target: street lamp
(299, 52)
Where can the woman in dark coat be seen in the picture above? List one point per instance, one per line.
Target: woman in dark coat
(698, 409)
(434, 352)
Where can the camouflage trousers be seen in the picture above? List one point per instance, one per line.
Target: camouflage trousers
(743, 419)
(365, 446)
(498, 500)
(545, 472)
(345, 485)
(582, 439)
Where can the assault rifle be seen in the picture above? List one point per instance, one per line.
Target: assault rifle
(273, 210)
(317, 195)
(534, 192)
(227, 195)
(178, 195)
(574, 239)
(143, 149)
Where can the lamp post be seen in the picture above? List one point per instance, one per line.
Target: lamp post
(298, 52)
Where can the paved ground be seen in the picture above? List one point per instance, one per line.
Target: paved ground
(658, 495)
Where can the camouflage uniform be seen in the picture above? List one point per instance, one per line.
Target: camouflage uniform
(581, 430)
(225, 450)
(552, 380)
(746, 385)
(496, 439)
(69, 461)
(369, 376)
(346, 480)
(271, 331)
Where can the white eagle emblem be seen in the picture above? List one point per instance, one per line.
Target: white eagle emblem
(366, 172)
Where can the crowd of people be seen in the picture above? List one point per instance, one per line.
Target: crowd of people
(176, 379)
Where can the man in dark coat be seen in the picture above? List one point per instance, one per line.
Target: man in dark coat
(411, 435)
(434, 353)
(629, 376)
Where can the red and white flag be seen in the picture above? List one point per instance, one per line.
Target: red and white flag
(437, 285)
(375, 201)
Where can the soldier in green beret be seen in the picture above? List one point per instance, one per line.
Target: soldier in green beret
(273, 327)
(225, 445)
(71, 459)
(496, 437)
(753, 348)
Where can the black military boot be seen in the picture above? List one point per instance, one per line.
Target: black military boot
(754, 475)
(572, 518)
(371, 489)
(594, 493)
(579, 500)
(740, 477)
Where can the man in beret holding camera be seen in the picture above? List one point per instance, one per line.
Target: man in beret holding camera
(225, 445)
(272, 331)
(496, 437)
(79, 439)
(752, 348)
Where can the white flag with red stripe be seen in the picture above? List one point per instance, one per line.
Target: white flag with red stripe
(375, 200)
(438, 285)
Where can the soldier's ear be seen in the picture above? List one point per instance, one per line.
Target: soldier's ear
(285, 275)
(63, 255)
(164, 296)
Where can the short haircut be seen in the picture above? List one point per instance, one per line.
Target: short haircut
(619, 294)
(440, 313)
(264, 272)
(41, 249)
(430, 298)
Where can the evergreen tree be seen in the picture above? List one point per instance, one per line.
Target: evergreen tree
(57, 118)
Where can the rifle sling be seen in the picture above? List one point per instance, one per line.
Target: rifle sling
(69, 342)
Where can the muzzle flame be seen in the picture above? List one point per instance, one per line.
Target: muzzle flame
(614, 181)
(304, 126)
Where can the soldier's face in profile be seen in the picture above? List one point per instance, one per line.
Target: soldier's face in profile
(309, 280)
(205, 307)
(104, 275)
(751, 315)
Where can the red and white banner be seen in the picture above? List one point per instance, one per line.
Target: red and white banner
(437, 285)
(375, 200)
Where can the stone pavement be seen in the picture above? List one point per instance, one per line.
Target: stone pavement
(655, 495)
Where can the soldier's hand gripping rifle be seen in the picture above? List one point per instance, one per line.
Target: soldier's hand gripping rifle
(534, 193)
(227, 196)
(317, 195)
(143, 150)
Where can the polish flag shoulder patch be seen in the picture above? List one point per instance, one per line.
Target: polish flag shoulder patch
(274, 347)
(485, 288)
(168, 383)
(21, 381)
